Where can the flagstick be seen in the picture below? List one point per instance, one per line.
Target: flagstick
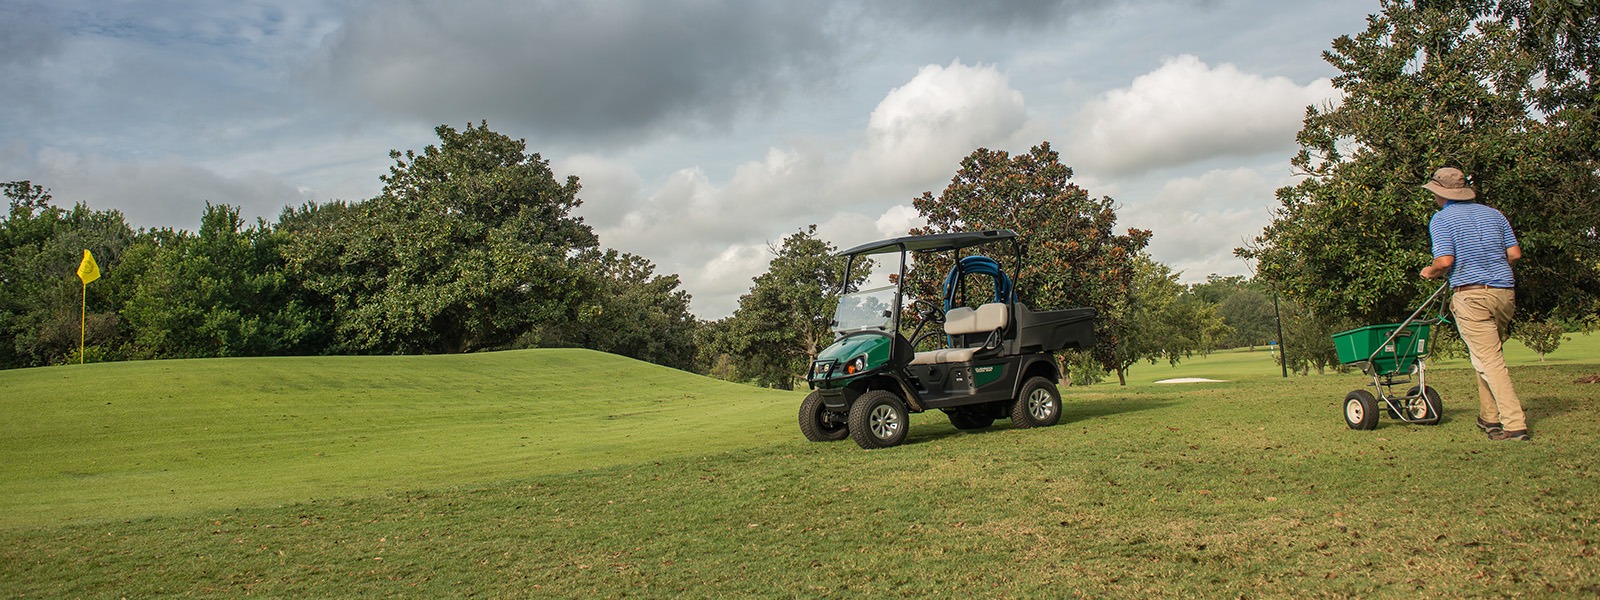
(83, 318)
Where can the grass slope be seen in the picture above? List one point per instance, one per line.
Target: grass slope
(135, 439)
(1248, 488)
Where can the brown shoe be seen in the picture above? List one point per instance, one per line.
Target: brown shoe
(1487, 426)
(1501, 435)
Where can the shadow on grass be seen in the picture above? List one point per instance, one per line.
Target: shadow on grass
(1104, 408)
(1538, 408)
(1071, 414)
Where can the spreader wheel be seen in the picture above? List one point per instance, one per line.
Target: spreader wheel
(1426, 410)
(1361, 410)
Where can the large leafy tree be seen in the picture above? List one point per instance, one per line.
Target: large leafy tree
(1503, 91)
(470, 246)
(218, 292)
(1074, 256)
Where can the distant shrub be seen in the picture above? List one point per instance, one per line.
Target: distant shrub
(1540, 337)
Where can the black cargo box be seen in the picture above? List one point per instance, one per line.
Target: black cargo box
(1052, 330)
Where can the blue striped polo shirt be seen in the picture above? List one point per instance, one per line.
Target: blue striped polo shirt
(1478, 237)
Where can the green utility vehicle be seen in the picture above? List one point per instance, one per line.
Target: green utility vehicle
(994, 358)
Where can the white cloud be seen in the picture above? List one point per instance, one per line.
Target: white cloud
(1198, 221)
(782, 191)
(610, 187)
(1186, 112)
(898, 221)
(705, 232)
(921, 130)
(716, 286)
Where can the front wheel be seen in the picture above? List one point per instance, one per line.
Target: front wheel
(819, 424)
(1361, 410)
(1039, 404)
(1426, 408)
(879, 419)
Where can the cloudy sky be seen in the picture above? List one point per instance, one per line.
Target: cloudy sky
(703, 131)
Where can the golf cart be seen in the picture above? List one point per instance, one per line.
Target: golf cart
(995, 359)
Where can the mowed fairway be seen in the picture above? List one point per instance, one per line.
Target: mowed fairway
(426, 487)
(126, 440)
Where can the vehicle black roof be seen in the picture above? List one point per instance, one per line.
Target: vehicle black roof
(935, 243)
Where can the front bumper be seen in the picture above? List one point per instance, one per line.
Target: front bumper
(837, 399)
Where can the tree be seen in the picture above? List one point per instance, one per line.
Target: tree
(1217, 288)
(631, 311)
(783, 322)
(470, 246)
(1082, 368)
(1308, 339)
(40, 248)
(1539, 337)
(218, 292)
(1505, 94)
(1250, 316)
(1159, 322)
(1074, 256)
(1245, 307)
(1563, 38)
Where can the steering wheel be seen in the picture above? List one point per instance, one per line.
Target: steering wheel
(928, 311)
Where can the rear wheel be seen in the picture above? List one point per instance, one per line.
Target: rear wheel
(1039, 404)
(818, 423)
(1361, 410)
(1425, 409)
(879, 420)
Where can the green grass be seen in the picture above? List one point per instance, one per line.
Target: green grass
(135, 439)
(1248, 488)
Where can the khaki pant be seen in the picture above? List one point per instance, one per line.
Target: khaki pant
(1483, 317)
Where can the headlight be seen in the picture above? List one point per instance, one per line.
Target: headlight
(856, 365)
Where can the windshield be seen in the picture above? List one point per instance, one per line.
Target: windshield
(866, 309)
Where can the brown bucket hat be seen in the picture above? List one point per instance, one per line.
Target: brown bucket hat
(1450, 183)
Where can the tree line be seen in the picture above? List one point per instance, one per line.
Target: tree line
(471, 246)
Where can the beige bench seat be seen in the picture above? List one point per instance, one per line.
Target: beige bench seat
(965, 321)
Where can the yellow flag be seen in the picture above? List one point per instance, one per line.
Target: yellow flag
(87, 270)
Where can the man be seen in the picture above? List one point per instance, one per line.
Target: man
(1474, 245)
